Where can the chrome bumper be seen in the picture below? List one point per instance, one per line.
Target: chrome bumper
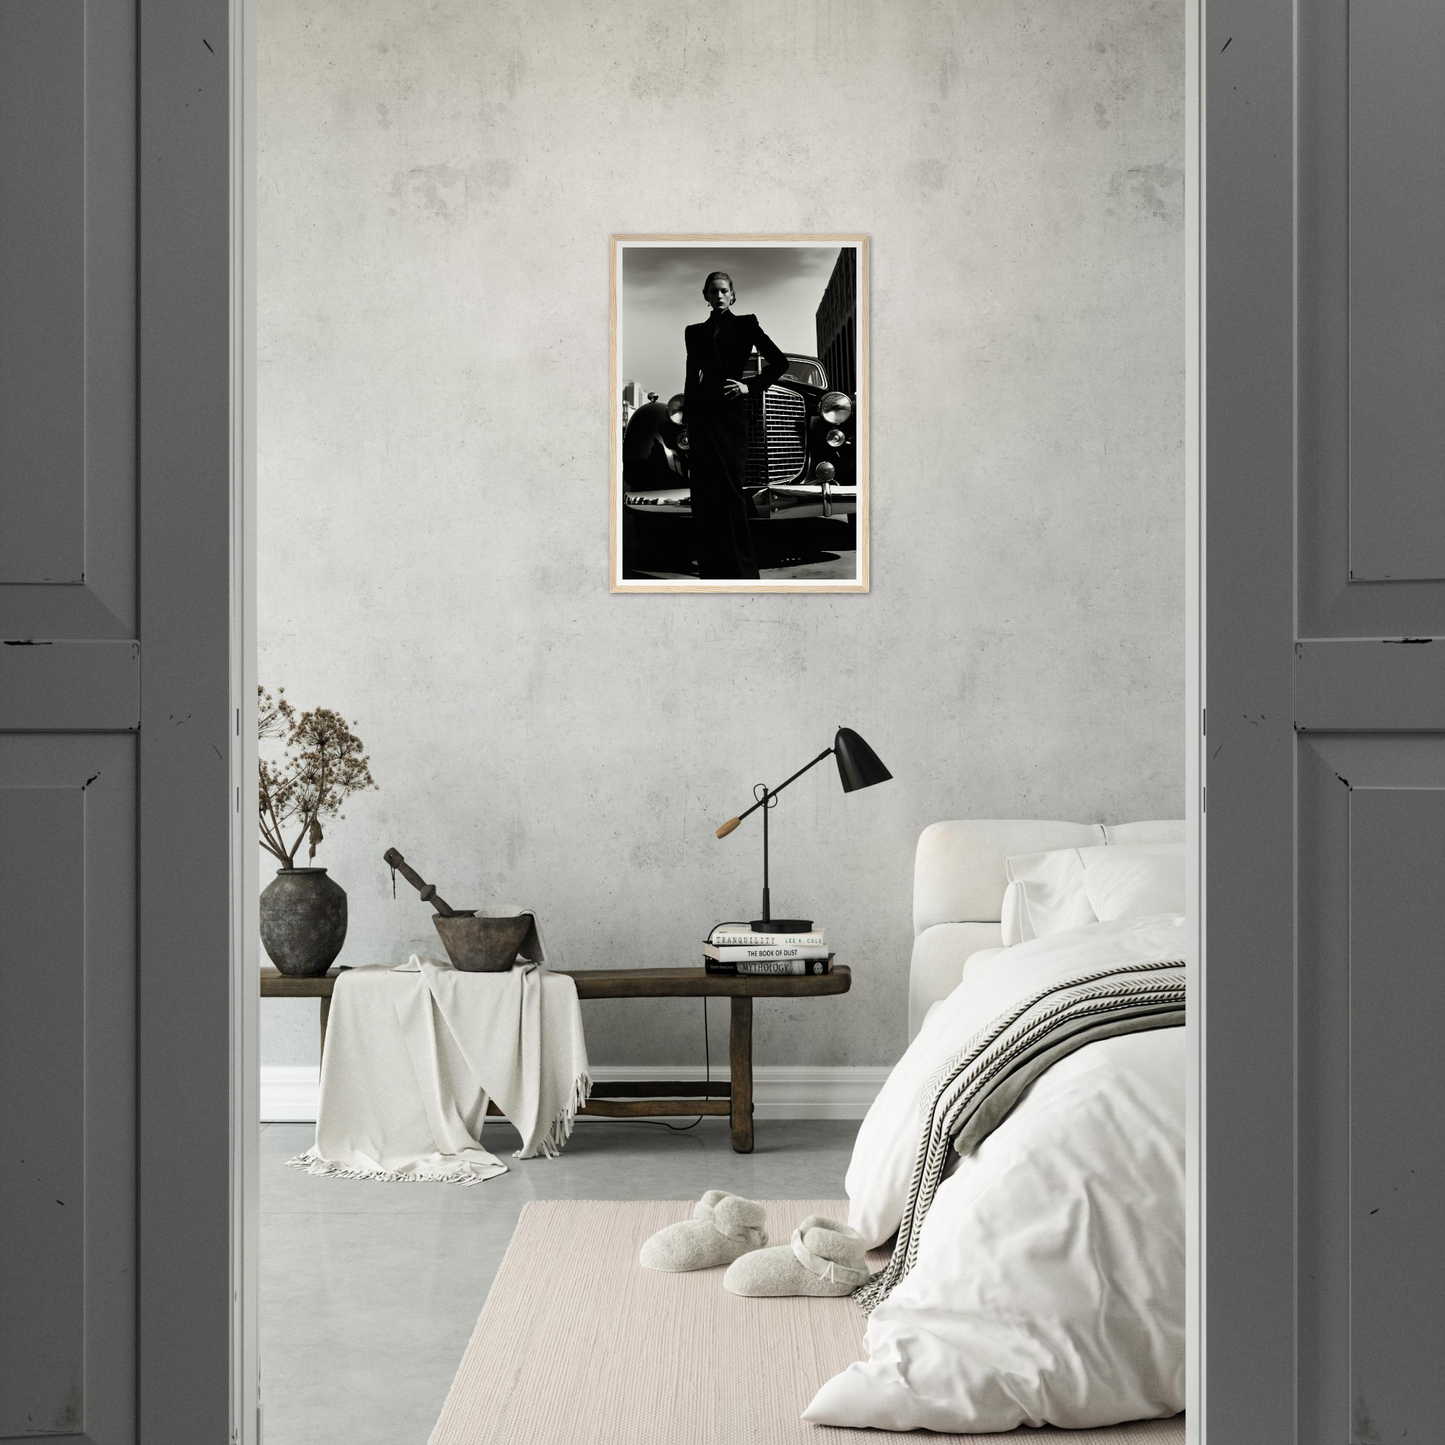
(786, 501)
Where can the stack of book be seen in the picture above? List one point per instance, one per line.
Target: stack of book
(736, 948)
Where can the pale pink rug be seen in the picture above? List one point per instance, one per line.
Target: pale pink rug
(579, 1345)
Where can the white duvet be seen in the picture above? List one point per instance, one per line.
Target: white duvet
(1049, 1287)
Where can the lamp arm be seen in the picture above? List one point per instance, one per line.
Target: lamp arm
(771, 793)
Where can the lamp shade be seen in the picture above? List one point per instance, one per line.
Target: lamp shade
(858, 765)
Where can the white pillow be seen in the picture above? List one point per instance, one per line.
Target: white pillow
(1133, 880)
(1012, 917)
(1049, 895)
(1070, 887)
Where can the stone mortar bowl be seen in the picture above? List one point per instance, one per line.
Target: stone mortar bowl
(482, 945)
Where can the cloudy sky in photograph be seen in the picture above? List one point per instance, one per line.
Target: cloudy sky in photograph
(662, 293)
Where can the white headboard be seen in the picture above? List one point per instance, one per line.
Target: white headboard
(959, 879)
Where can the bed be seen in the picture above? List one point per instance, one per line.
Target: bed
(959, 880)
(1026, 1154)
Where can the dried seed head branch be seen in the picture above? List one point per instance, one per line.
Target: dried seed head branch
(321, 764)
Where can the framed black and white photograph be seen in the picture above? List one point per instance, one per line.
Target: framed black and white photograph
(739, 393)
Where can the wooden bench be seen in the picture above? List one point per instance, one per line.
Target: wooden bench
(623, 1100)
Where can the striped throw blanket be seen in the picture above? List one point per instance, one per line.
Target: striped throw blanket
(969, 1096)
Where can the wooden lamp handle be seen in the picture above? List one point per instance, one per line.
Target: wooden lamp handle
(728, 827)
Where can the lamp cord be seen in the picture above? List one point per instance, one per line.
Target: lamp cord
(707, 1079)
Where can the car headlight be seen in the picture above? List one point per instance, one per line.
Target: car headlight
(682, 443)
(825, 471)
(674, 410)
(835, 408)
(835, 438)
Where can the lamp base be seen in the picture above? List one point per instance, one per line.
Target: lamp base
(781, 925)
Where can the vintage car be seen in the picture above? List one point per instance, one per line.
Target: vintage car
(802, 456)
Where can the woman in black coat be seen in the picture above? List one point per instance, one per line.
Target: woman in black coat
(715, 412)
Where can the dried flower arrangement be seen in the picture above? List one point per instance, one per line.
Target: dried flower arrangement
(322, 763)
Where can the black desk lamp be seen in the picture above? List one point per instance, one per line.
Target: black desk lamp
(858, 767)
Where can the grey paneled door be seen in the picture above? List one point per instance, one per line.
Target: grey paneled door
(117, 794)
(1324, 1104)
(70, 710)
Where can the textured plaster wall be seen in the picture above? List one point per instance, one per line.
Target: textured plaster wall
(437, 184)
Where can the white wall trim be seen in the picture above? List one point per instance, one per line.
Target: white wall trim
(1195, 53)
(289, 1091)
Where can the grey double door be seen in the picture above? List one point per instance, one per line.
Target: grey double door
(1324, 1094)
(117, 795)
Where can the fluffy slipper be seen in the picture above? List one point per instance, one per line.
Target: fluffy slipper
(824, 1258)
(723, 1227)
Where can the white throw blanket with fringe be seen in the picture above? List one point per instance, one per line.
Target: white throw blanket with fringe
(414, 1053)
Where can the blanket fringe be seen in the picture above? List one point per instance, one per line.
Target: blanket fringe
(548, 1147)
(552, 1142)
(312, 1163)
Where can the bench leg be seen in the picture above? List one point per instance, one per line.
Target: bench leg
(325, 1015)
(742, 1075)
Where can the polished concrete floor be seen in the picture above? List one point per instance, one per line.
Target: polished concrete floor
(369, 1291)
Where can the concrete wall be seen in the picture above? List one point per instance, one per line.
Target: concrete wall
(437, 184)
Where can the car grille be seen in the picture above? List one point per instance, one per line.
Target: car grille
(776, 423)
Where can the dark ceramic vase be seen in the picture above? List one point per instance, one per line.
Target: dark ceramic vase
(303, 921)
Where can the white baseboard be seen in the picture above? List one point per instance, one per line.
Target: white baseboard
(289, 1092)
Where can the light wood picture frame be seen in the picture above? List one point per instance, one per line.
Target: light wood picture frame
(800, 480)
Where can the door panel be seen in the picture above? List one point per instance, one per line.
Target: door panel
(42, 257)
(1397, 290)
(42, 883)
(1397, 1111)
(1369, 710)
(1361, 480)
(126, 350)
(67, 1087)
(70, 708)
(1372, 1085)
(76, 686)
(67, 319)
(1369, 685)
(1324, 1093)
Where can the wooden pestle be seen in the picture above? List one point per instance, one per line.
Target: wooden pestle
(427, 890)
